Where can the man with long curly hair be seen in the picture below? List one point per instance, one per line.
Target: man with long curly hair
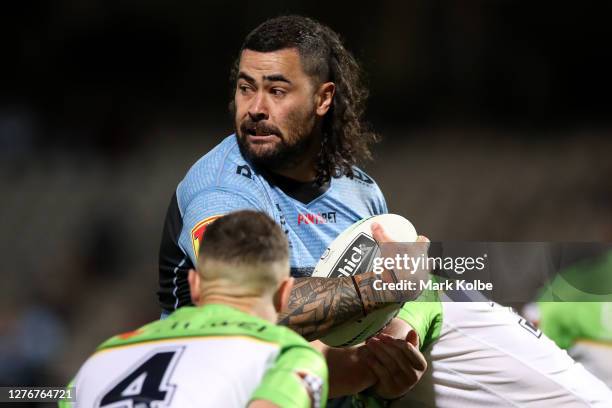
(298, 108)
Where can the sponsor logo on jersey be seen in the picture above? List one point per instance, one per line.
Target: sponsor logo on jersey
(317, 218)
(197, 233)
(245, 171)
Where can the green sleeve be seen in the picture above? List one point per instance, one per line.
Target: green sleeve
(555, 322)
(297, 379)
(567, 322)
(577, 304)
(425, 316)
(66, 404)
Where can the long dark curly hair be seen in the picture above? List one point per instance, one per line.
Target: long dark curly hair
(346, 137)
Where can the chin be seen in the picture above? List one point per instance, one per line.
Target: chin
(262, 152)
(259, 152)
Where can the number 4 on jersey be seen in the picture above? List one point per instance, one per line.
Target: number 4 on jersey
(146, 384)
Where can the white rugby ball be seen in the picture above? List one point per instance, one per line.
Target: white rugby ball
(352, 253)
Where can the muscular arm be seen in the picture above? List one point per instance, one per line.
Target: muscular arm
(316, 305)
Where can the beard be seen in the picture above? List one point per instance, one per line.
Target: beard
(291, 148)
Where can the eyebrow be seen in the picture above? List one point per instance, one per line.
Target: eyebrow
(270, 78)
(276, 78)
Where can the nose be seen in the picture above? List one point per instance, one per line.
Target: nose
(259, 108)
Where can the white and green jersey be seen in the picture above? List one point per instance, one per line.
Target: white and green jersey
(481, 354)
(208, 356)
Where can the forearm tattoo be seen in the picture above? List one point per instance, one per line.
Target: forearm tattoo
(316, 305)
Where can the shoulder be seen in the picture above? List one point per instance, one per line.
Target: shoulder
(155, 330)
(222, 169)
(287, 338)
(298, 354)
(361, 181)
(298, 377)
(293, 348)
(362, 187)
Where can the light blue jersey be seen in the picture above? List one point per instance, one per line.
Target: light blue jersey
(223, 181)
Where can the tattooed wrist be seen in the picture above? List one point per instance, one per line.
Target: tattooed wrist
(374, 299)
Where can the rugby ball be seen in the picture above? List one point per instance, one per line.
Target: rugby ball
(352, 253)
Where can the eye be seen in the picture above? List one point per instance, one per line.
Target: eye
(278, 92)
(244, 88)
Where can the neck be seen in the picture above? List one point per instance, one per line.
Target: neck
(260, 306)
(305, 170)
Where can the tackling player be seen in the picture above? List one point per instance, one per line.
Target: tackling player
(298, 105)
(227, 351)
(482, 354)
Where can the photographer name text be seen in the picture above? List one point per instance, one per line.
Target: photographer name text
(459, 284)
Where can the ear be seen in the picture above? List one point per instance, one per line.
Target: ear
(325, 97)
(281, 297)
(194, 286)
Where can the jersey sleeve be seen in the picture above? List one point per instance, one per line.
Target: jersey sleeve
(554, 322)
(64, 403)
(203, 209)
(380, 204)
(298, 379)
(425, 316)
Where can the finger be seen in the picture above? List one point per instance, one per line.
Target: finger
(414, 355)
(413, 338)
(384, 377)
(385, 336)
(422, 244)
(379, 233)
(386, 354)
(393, 347)
(382, 374)
(408, 348)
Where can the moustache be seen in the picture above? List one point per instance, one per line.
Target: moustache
(251, 127)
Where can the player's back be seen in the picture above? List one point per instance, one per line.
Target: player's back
(210, 356)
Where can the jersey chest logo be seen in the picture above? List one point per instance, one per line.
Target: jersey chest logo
(316, 218)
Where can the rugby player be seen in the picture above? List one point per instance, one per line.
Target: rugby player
(298, 102)
(482, 354)
(298, 105)
(225, 352)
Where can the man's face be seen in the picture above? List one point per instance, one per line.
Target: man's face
(275, 108)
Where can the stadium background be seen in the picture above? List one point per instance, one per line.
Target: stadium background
(495, 118)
